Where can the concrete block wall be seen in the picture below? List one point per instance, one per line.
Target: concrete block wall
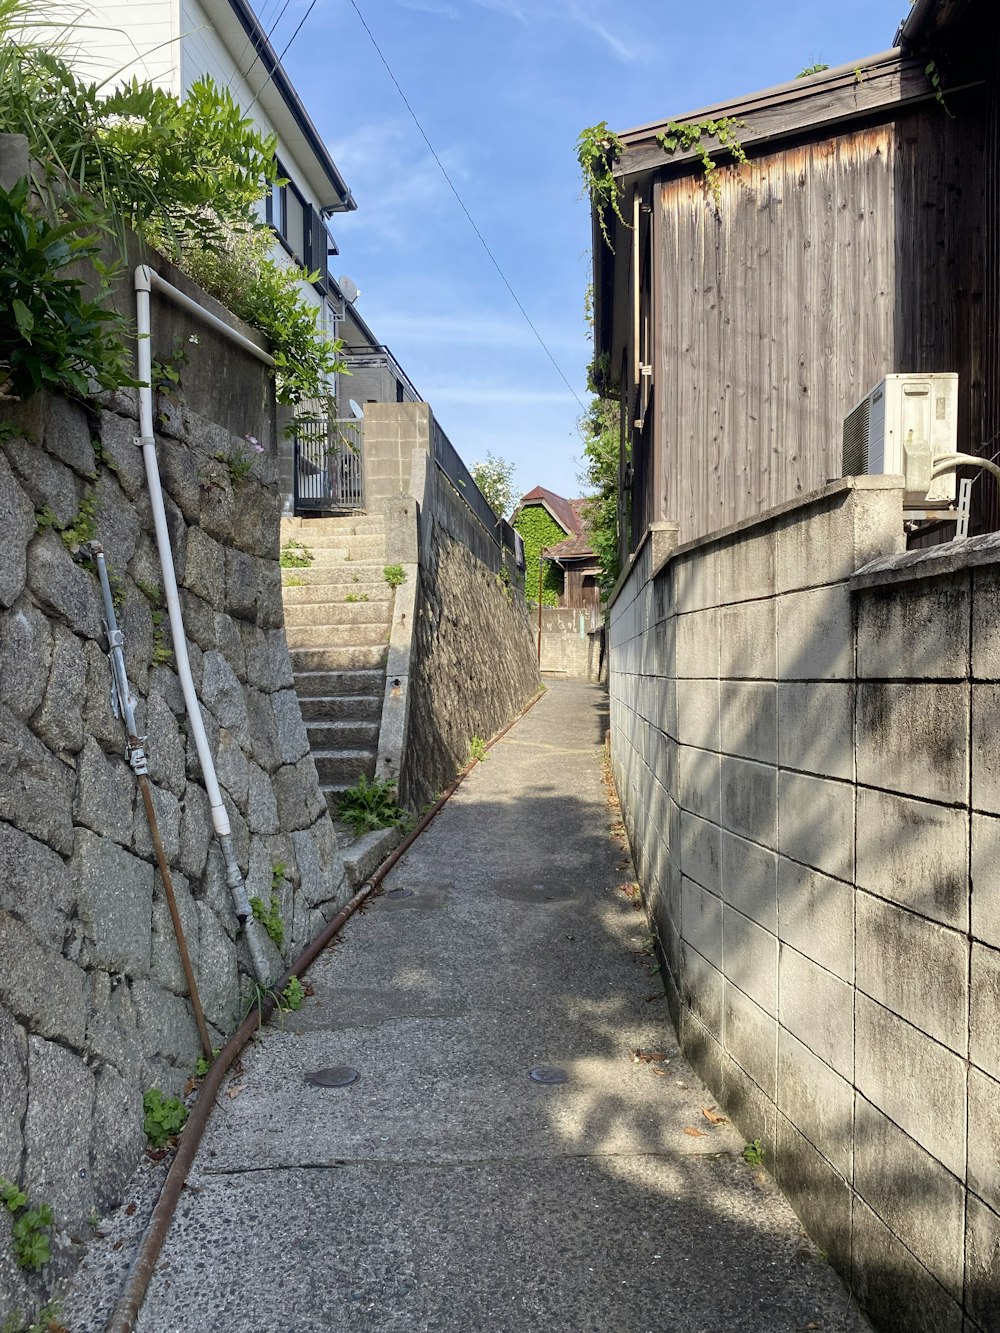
(804, 739)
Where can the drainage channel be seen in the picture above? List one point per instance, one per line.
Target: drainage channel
(126, 1311)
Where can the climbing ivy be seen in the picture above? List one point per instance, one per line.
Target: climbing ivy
(597, 151)
(538, 529)
(691, 137)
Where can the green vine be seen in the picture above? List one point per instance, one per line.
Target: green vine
(539, 529)
(597, 151)
(934, 74)
(690, 138)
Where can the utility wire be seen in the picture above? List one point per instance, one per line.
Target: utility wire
(461, 204)
(281, 54)
(256, 55)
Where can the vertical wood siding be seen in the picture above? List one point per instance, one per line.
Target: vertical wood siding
(828, 265)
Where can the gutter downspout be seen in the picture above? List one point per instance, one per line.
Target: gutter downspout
(145, 280)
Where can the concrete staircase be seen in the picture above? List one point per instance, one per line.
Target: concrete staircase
(338, 614)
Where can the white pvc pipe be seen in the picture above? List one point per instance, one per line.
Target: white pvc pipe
(951, 462)
(145, 279)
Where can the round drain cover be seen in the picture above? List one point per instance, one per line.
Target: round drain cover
(340, 1077)
(548, 1074)
(395, 894)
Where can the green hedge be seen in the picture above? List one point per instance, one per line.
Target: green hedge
(538, 528)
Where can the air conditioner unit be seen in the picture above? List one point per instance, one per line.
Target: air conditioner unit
(902, 427)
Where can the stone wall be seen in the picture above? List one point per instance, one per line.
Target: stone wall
(570, 647)
(92, 998)
(804, 724)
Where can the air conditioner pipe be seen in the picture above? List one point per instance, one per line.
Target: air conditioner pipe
(951, 462)
(145, 280)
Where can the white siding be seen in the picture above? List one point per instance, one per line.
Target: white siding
(122, 39)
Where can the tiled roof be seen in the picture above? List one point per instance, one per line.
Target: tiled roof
(562, 510)
(577, 547)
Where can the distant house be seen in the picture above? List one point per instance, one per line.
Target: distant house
(172, 44)
(554, 528)
(858, 239)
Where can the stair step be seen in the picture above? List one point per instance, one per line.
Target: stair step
(356, 657)
(343, 734)
(366, 546)
(339, 612)
(342, 707)
(365, 853)
(343, 767)
(334, 589)
(333, 636)
(302, 528)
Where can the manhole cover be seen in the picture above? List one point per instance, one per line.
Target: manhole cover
(394, 895)
(340, 1077)
(548, 1074)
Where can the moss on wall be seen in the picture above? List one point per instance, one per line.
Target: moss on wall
(539, 529)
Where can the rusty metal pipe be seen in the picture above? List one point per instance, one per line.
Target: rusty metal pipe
(126, 1310)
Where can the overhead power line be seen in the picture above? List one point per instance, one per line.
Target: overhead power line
(281, 54)
(461, 204)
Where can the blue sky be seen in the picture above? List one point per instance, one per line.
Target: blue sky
(503, 87)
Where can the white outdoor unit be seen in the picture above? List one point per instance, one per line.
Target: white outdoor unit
(902, 427)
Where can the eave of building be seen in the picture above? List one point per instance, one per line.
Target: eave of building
(806, 109)
(245, 39)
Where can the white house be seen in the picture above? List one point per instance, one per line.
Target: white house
(173, 43)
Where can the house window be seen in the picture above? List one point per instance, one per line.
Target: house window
(300, 228)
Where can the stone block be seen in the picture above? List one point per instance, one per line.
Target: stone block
(749, 879)
(982, 1265)
(36, 789)
(915, 854)
(105, 794)
(115, 903)
(895, 1289)
(746, 565)
(166, 1026)
(13, 1093)
(697, 644)
(165, 967)
(985, 908)
(914, 739)
(50, 484)
(912, 1079)
(702, 989)
(270, 612)
(896, 951)
(984, 990)
(264, 743)
(201, 622)
(748, 722)
(816, 728)
(243, 584)
(698, 713)
(268, 664)
(17, 521)
(112, 1024)
(293, 740)
(984, 1135)
(223, 694)
(699, 777)
(750, 1108)
(749, 800)
(751, 1039)
(700, 851)
(229, 642)
(912, 1193)
(43, 989)
(296, 787)
(985, 760)
(914, 631)
(57, 1131)
(59, 719)
(181, 479)
(196, 831)
(121, 454)
(816, 917)
(815, 1006)
(165, 746)
(119, 523)
(826, 540)
(62, 587)
(750, 955)
(817, 1101)
(218, 979)
(701, 921)
(67, 433)
(25, 657)
(696, 579)
(232, 768)
(117, 1138)
(700, 1048)
(818, 1192)
(815, 634)
(747, 641)
(35, 886)
(262, 806)
(816, 823)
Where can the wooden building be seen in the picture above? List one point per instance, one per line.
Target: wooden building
(568, 551)
(860, 238)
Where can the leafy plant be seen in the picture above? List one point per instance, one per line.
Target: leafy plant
(811, 69)
(163, 1117)
(51, 335)
(47, 1320)
(495, 478)
(597, 151)
(202, 1065)
(356, 597)
(294, 994)
(691, 138)
(934, 74)
(82, 528)
(753, 1153)
(270, 918)
(478, 749)
(600, 430)
(293, 581)
(539, 529)
(31, 1229)
(371, 804)
(278, 875)
(238, 462)
(295, 555)
(394, 575)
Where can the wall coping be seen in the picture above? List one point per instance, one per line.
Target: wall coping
(831, 491)
(931, 562)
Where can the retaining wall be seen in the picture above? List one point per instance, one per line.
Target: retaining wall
(92, 997)
(804, 740)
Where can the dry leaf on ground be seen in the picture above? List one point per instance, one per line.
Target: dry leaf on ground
(695, 1133)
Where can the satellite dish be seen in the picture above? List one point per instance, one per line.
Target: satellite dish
(349, 287)
(356, 410)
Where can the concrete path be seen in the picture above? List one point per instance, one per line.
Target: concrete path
(445, 1190)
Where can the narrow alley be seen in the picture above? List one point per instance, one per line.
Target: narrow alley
(445, 1189)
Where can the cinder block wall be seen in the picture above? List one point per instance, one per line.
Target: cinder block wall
(807, 759)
